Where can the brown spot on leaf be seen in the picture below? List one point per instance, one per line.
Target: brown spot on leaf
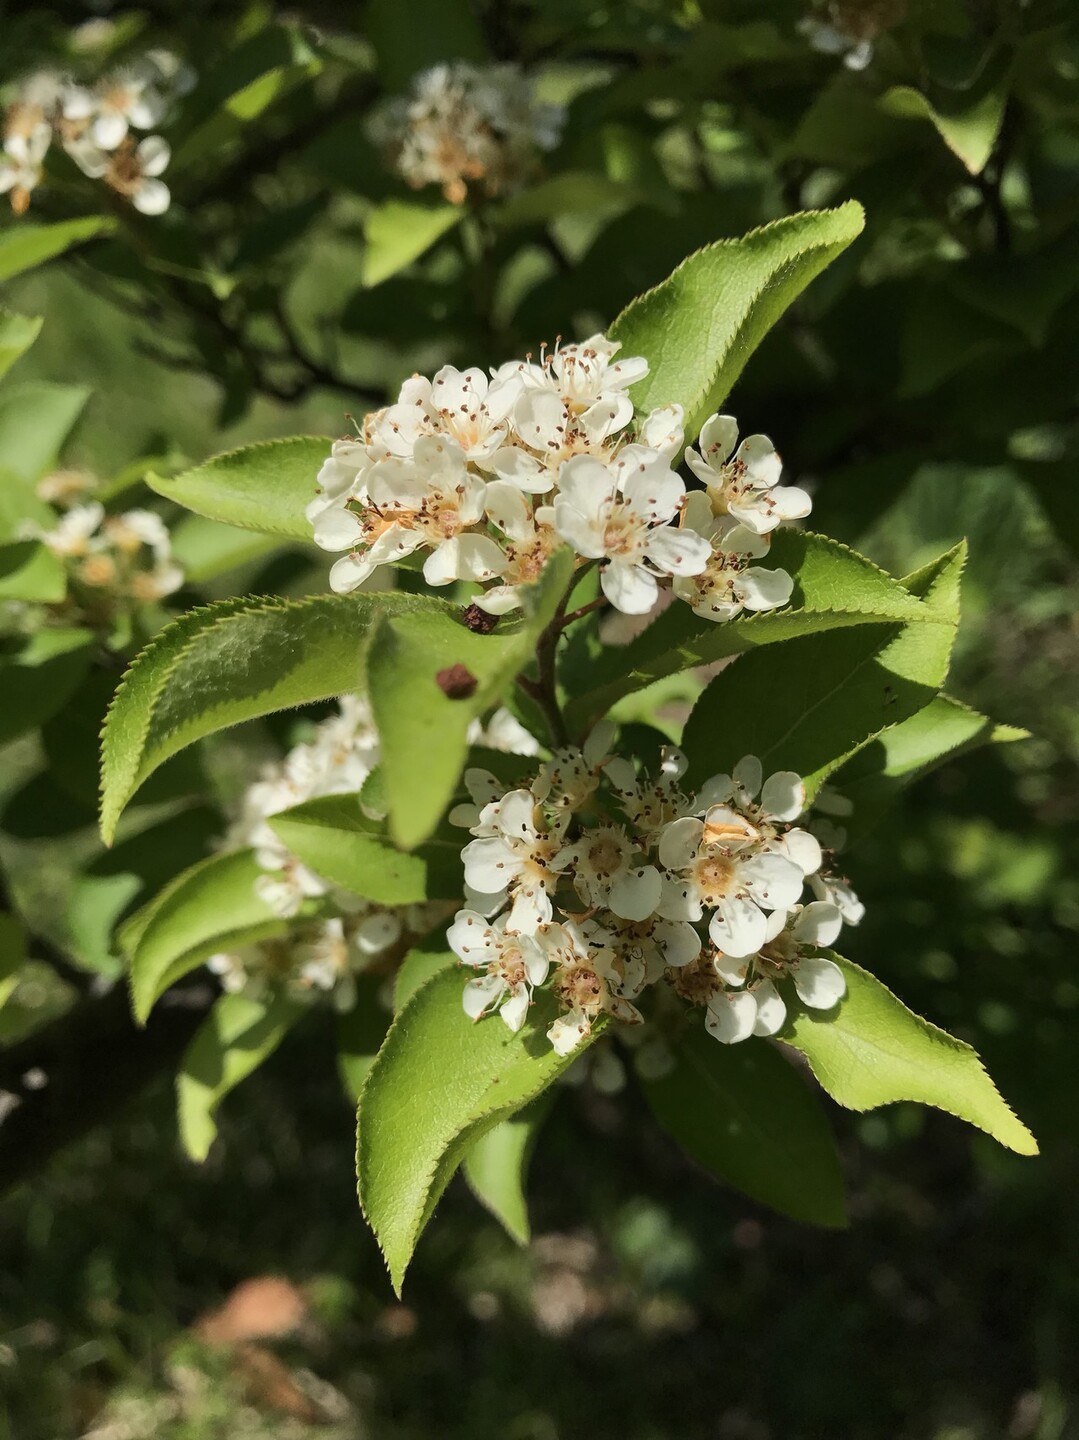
(457, 682)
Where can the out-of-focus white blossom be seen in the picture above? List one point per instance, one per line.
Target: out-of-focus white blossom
(113, 562)
(465, 126)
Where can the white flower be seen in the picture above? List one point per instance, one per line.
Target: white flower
(125, 100)
(510, 858)
(473, 410)
(828, 39)
(729, 583)
(757, 1007)
(567, 781)
(587, 983)
(72, 532)
(605, 873)
(513, 964)
(718, 864)
(646, 803)
(838, 892)
(503, 731)
(526, 548)
(745, 484)
(619, 513)
(781, 799)
(654, 944)
(661, 430)
(27, 137)
(429, 501)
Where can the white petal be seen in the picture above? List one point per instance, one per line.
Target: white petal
(649, 487)
(748, 773)
(765, 589)
(635, 895)
(732, 970)
(678, 552)
(609, 414)
(583, 531)
(337, 529)
(678, 942)
(541, 420)
(715, 791)
(783, 796)
(348, 572)
(737, 927)
(480, 994)
(108, 131)
(678, 842)
(508, 509)
(820, 983)
(515, 1009)
(629, 588)
(489, 865)
(531, 908)
(771, 1011)
(717, 439)
(790, 502)
(153, 155)
(730, 1018)
(819, 923)
(567, 1032)
(662, 431)
(471, 938)
(151, 197)
(599, 743)
(522, 470)
(803, 849)
(774, 881)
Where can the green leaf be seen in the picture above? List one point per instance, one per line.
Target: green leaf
(943, 730)
(207, 549)
(970, 131)
(415, 718)
(30, 571)
(496, 1167)
(700, 325)
(262, 487)
(439, 1083)
(12, 953)
(746, 1116)
(834, 588)
(17, 334)
(210, 907)
(233, 661)
(871, 1050)
(234, 1039)
(400, 231)
(333, 838)
(422, 961)
(36, 418)
(23, 246)
(41, 678)
(839, 689)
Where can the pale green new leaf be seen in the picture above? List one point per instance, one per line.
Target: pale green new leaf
(746, 1116)
(30, 571)
(207, 548)
(400, 231)
(235, 1038)
(439, 1083)
(834, 588)
(871, 1050)
(262, 487)
(424, 732)
(209, 908)
(23, 246)
(17, 334)
(496, 1168)
(332, 837)
(970, 131)
(838, 690)
(700, 325)
(36, 418)
(873, 779)
(229, 662)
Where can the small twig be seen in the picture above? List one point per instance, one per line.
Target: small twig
(582, 610)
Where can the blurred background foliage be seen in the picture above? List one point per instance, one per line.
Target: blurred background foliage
(926, 388)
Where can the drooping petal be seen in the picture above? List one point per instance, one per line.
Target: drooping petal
(730, 1018)
(153, 155)
(337, 529)
(515, 1009)
(771, 1009)
(820, 983)
(765, 589)
(349, 572)
(629, 588)
(151, 197)
(481, 994)
(508, 509)
(790, 502)
(732, 970)
(818, 923)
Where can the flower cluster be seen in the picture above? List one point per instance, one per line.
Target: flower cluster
(851, 28)
(598, 881)
(326, 953)
(98, 126)
(113, 562)
(463, 125)
(491, 474)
